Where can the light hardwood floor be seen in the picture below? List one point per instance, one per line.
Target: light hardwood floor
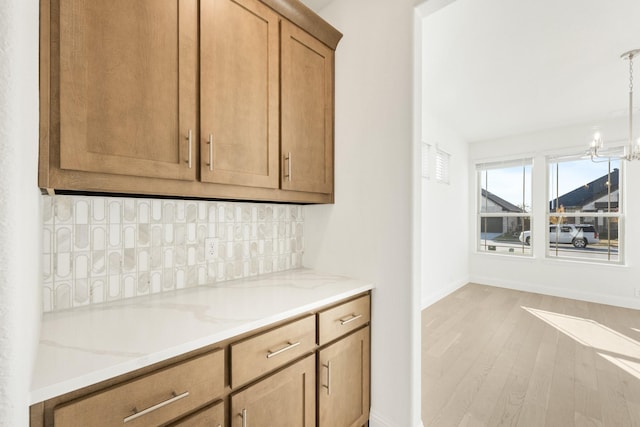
(498, 357)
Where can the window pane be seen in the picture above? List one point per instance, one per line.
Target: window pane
(505, 234)
(584, 209)
(584, 186)
(504, 207)
(506, 189)
(585, 237)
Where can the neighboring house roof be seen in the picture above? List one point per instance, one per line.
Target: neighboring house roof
(506, 206)
(587, 193)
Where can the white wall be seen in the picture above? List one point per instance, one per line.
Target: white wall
(19, 206)
(445, 216)
(368, 232)
(609, 284)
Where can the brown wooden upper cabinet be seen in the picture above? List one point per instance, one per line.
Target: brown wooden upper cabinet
(307, 112)
(128, 87)
(229, 99)
(239, 89)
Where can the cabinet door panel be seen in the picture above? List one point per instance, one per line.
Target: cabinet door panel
(239, 102)
(307, 112)
(285, 399)
(343, 381)
(210, 416)
(128, 86)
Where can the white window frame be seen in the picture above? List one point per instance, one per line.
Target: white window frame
(443, 166)
(598, 215)
(486, 166)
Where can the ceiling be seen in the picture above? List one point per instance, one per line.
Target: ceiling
(496, 68)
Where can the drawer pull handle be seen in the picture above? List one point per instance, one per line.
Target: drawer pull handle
(350, 319)
(190, 148)
(328, 386)
(287, 174)
(137, 414)
(244, 418)
(289, 346)
(210, 142)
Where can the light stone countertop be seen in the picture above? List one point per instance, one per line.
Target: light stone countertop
(84, 346)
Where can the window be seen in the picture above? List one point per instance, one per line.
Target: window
(584, 213)
(442, 166)
(504, 207)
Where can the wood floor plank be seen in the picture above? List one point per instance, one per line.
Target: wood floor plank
(468, 354)
(494, 357)
(536, 400)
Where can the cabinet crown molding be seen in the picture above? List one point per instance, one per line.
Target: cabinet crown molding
(305, 18)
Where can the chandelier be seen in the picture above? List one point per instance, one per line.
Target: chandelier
(632, 150)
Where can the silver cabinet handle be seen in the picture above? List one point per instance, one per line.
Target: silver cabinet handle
(244, 418)
(137, 414)
(189, 139)
(210, 151)
(287, 158)
(289, 346)
(351, 319)
(328, 386)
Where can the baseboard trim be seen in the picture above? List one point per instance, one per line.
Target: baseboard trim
(375, 420)
(557, 292)
(434, 297)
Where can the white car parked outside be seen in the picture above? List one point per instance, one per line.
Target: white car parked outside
(579, 235)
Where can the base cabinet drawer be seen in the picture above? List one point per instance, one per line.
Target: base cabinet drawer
(267, 351)
(211, 416)
(154, 399)
(285, 399)
(342, 319)
(343, 381)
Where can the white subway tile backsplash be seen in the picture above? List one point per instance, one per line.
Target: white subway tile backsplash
(98, 210)
(81, 233)
(97, 291)
(62, 210)
(62, 296)
(99, 249)
(81, 212)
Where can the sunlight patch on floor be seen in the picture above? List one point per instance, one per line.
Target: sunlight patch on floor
(617, 348)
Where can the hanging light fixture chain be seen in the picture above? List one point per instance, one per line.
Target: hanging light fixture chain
(631, 72)
(632, 151)
(631, 154)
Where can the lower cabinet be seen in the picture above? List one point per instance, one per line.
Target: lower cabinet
(285, 399)
(343, 381)
(308, 371)
(211, 416)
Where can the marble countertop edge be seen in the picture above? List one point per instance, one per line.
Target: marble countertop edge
(46, 388)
